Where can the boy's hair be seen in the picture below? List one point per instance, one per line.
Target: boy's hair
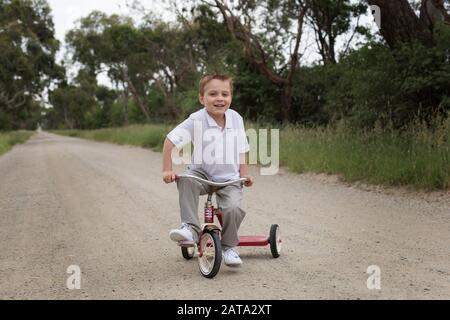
(209, 77)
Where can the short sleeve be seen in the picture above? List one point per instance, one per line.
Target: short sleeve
(182, 134)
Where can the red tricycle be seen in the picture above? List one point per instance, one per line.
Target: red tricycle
(209, 243)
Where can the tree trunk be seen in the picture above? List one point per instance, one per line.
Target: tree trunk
(256, 56)
(433, 11)
(169, 94)
(171, 106)
(69, 123)
(125, 106)
(399, 24)
(286, 103)
(135, 94)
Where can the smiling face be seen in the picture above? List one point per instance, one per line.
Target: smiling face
(216, 98)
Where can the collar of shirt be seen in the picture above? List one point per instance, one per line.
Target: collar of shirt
(213, 123)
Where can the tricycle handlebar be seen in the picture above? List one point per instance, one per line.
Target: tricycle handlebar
(211, 183)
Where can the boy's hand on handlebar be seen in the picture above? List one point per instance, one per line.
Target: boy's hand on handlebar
(249, 181)
(169, 176)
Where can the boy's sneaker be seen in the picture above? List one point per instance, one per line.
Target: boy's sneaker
(231, 258)
(182, 234)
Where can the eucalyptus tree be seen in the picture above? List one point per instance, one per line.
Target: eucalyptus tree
(27, 58)
(270, 33)
(400, 24)
(331, 19)
(112, 44)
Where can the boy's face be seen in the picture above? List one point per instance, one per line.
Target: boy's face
(217, 97)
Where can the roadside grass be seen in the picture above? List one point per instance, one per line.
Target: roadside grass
(417, 157)
(148, 136)
(10, 138)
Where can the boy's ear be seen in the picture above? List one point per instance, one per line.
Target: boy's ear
(200, 98)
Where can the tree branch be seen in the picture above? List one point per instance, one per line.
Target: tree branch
(11, 103)
(347, 46)
(241, 33)
(295, 57)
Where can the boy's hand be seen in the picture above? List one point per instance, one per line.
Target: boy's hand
(169, 176)
(249, 181)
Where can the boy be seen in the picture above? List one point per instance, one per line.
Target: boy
(225, 163)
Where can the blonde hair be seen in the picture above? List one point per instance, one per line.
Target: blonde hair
(209, 77)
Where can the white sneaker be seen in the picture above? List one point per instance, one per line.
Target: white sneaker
(231, 258)
(182, 234)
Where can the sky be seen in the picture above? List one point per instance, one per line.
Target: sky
(66, 12)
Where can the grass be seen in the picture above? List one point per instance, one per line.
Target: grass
(418, 157)
(9, 139)
(148, 136)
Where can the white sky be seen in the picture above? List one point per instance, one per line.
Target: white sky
(66, 12)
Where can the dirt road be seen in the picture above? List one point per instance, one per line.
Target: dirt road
(104, 208)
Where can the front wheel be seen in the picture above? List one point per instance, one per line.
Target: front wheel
(188, 252)
(275, 240)
(209, 262)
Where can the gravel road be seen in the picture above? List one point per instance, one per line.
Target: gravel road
(104, 208)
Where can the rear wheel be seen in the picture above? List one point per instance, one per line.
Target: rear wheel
(275, 240)
(209, 262)
(188, 252)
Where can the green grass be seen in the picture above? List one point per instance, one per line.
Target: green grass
(148, 136)
(418, 158)
(8, 139)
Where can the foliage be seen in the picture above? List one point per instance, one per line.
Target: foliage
(378, 84)
(154, 67)
(27, 59)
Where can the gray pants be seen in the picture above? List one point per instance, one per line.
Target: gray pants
(228, 200)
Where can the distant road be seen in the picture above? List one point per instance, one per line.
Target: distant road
(104, 208)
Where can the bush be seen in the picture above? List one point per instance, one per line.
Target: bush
(377, 84)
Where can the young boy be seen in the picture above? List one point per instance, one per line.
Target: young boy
(213, 131)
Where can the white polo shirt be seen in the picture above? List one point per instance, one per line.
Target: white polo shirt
(215, 150)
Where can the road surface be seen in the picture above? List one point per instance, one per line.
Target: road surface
(104, 209)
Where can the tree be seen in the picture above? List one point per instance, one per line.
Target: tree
(433, 11)
(27, 57)
(400, 24)
(272, 46)
(114, 45)
(174, 57)
(329, 20)
(72, 103)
